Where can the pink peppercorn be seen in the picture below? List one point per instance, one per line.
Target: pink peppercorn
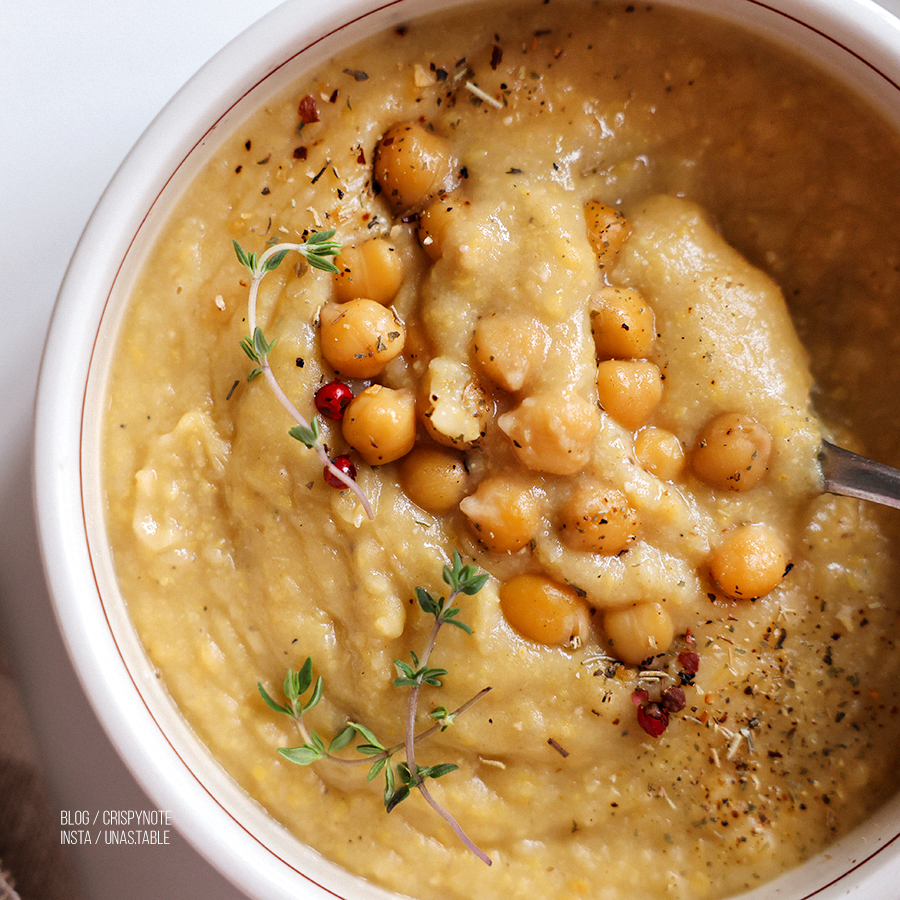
(653, 718)
(673, 699)
(343, 464)
(332, 400)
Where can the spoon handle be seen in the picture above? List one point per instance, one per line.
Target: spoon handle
(853, 475)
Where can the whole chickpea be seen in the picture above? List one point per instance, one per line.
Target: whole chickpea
(629, 390)
(732, 452)
(598, 519)
(638, 632)
(373, 270)
(542, 610)
(659, 452)
(503, 513)
(412, 165)
(380, 424)
(360, 337)
(750, 562)
(623, 325)
(434, 478)
(607, 231)
(552, 432)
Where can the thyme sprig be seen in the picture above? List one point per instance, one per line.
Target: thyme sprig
(316, 250)
(400, 779)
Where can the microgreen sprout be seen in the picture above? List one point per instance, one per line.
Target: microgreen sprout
(302, 694)
(316, 251)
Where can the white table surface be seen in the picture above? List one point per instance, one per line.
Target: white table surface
(79, 82)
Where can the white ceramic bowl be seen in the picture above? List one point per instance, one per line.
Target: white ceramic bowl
(855, 38)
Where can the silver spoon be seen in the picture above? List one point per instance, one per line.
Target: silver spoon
(853, 475)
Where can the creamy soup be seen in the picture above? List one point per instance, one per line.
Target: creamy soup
(608, 274)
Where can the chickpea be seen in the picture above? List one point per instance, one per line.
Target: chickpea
(373, 270)
(542, 610)
(360, 337)
(435, 222)
(638, 632)
(503, 513)
(455, 408)
(623, 325)
(380, 424)
(412, 165)
(750, 562)
(629, 390)
(598, 519)
(434, 478)
(607, 230)
(552, 433)
(732, 452)
(508, 349)
(659, 452)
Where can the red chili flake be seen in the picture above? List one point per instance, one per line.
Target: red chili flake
(496, 56)
(332, 400)
(343, 464)
(673, 699)
(300, 153)
(308, 110)
(689, 661)
(361, 159)
(639, 696)
(653, 718)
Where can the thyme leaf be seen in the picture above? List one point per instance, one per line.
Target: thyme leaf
(318, 248)
(301, 756)
(464, 579)
(308, 435)
(444, 716)
(274, 261)
(341, 739)
(247, 260)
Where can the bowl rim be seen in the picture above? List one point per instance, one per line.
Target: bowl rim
(142, 733)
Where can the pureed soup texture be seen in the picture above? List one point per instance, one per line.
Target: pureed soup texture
(579, 244)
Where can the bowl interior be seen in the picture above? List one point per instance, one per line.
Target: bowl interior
(857, 40)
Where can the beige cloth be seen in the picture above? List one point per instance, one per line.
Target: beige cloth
(33, 864)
